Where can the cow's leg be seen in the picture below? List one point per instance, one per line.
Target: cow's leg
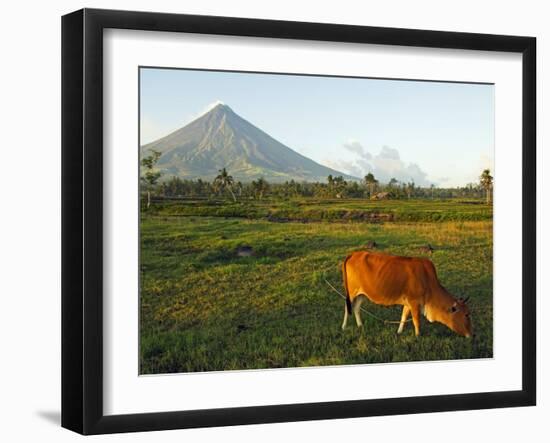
(404, 315)
(357, 310)
(415, 312)
(345, 322)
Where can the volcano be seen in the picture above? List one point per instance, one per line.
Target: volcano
(222, 139)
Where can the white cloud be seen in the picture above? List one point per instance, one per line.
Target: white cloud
(204, 110)
(356, 147)
(385, 165)
(347, 167)
(208, 107)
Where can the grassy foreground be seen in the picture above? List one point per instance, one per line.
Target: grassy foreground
(204, 308)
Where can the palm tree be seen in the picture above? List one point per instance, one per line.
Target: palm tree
(370, 182)
(260, 187)
(339, 186)
(486, 182)
(239, 188)
(224, 181)
(410, 189)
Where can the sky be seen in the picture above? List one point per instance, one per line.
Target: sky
(427, 132)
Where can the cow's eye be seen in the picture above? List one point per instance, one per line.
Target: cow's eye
(454, 309)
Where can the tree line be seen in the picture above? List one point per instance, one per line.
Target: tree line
(225, 186)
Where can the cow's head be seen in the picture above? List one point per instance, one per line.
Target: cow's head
(459, 318)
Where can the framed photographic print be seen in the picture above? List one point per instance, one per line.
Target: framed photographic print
(269, 221)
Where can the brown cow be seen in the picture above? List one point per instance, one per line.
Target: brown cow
(412, 282)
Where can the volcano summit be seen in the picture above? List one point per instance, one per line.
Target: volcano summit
(222, 139)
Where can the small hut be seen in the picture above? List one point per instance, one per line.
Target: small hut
(381, 196)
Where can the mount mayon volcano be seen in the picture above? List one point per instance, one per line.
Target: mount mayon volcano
(222, 139)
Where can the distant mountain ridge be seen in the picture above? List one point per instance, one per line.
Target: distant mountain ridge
(222, 139)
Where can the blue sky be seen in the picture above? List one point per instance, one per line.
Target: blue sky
(429, 132)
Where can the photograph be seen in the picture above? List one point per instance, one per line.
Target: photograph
(292, 220)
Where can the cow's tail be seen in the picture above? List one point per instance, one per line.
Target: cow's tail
(345, 277)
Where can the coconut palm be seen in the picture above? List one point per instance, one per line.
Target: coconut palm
(370, 182)
(224, 181)
(260, 187)
(393, 181)
(486, 182)
(410, 189)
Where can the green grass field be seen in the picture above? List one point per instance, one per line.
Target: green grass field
(204, 308)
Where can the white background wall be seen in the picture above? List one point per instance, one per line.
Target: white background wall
(30, 217)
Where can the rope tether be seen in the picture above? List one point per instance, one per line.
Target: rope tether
(364, 310)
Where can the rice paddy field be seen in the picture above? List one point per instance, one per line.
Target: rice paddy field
(233, 286)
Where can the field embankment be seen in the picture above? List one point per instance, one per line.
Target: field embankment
(310, 209)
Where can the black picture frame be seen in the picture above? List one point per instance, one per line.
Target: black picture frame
(82, 218)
